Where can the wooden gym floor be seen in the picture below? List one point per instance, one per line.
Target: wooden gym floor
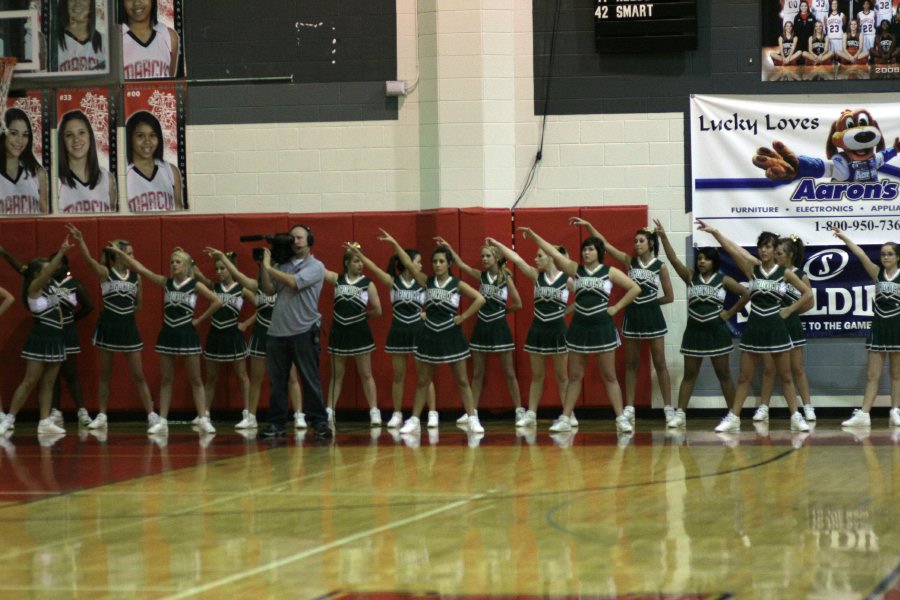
(373, 515)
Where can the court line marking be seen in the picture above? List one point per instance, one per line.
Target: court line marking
(323, 548)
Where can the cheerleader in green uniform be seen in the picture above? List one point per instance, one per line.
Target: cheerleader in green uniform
(74, 304)
(592, 330)
(178, 336)
(644, 320)
(441, 340)
(225, 344)
(260, 321)
(766, 331)
(407, 302)
(789, 254)
(547, 334)
(706, 334)
(45, 348)
(492, 334)
(6, 300)
(116, 331)
(883, 340)
(355, 302)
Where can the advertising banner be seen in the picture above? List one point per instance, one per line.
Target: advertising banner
(797, 167)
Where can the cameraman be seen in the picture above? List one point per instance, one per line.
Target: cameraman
(294, 332)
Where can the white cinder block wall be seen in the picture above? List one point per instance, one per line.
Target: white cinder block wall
(465, 136)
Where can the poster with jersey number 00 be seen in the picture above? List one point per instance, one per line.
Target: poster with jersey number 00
(154, 147)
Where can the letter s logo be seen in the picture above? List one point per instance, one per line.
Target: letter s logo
(826, 264)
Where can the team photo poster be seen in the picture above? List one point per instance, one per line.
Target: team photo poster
(826, 40)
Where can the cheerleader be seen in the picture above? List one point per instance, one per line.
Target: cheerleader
(852, 49)
(45, 348)
(643, 319)
(592, 331)
(23, 184)
(407, 301)
(178, 336)
(116, 330)
(260, 321)
(706, 334)
(6, 300)
(225, 343)
(441, 340)
(766, 331)
(355, 302)
(492, 334)
(547, 334)
(883, 340)
(819, 52)
(885, 51)
(789, 255)
(788, 51)
(74, 304)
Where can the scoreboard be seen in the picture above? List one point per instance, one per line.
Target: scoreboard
(645, 25)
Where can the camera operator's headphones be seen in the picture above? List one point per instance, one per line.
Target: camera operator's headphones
(310, 238)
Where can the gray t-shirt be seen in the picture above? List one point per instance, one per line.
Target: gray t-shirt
(297, 310)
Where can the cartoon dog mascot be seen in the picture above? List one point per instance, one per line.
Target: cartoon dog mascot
(855, 151)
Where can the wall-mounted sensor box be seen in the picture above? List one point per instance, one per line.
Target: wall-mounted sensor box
(395, 88)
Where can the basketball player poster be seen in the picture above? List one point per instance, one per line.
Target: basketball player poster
(78, 36)
(154, 147)
(152, 39)
(827, 40)
(85, 151)
(28, 193)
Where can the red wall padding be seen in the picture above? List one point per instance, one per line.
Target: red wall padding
(155, 237)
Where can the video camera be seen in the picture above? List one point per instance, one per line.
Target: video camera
(282, 246)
